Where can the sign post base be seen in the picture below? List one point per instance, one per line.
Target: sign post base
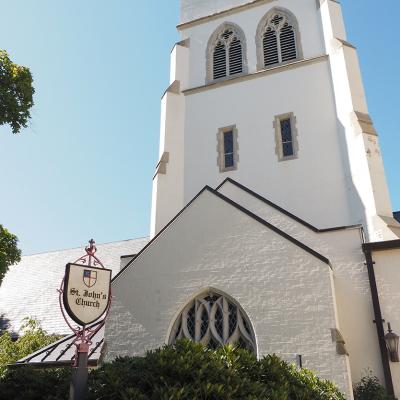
(79, 387)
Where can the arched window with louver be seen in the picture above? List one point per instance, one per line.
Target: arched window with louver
(226, 53)
(214, 320)
(277, 39)
(219, 61)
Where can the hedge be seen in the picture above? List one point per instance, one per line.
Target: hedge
(186, 371)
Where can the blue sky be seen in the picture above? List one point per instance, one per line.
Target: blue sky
(84, 167)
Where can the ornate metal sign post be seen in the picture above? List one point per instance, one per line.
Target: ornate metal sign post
(85, 295)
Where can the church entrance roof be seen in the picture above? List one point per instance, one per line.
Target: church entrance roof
(62, 353)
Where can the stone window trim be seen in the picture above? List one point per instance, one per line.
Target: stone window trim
(212, 317)
(210, 52)
(278, 136)
(221, 149)
(260, 33)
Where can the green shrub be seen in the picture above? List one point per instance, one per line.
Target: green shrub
(186, 371)
(27, 383)
(189, 371)
(369, 388)
(33, 338)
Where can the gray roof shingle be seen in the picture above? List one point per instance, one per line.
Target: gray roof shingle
(29, 288)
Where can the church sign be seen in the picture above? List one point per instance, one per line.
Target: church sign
(86, 292)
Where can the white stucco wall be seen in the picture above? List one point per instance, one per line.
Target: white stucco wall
(252, 106)
(167, 196)
(285, 291)
(193, 9)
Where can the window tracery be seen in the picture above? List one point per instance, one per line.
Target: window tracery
(226, 53)
(278, 39)
(213, 320)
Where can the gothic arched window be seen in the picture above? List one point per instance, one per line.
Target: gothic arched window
(277, 39)
(226, 53)
(214, 320)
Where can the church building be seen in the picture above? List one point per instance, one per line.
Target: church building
(271, 227)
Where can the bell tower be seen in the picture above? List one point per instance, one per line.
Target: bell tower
(269, 93)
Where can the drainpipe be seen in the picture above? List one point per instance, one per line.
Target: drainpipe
(379, 322)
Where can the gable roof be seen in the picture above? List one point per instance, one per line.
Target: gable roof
(284, 211)
(62, 352)
(41, 274)
(238, 207)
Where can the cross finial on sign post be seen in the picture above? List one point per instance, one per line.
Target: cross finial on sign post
(91, 249)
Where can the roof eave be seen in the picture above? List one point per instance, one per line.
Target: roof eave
(381, 246)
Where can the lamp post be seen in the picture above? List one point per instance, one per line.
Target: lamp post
(392, 344)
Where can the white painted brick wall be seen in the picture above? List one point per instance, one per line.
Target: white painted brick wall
(285, 291)
(353, 295)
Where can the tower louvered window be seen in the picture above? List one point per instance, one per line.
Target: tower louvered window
(228, 55)
(279, 40)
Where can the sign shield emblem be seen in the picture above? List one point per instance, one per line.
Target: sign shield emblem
(86, 292)
(89, 277)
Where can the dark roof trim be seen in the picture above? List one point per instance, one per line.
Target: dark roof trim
(396, 216)
(52, 364)
(62, 352)
(273, 228)
(129, 256)
(47, 354)
(283, 211)
(237, 206)
(379, 246)
(98, 344)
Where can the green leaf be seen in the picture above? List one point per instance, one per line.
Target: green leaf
(16, 93)
(9, 252)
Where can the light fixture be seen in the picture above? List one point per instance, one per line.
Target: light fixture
(392, 344)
